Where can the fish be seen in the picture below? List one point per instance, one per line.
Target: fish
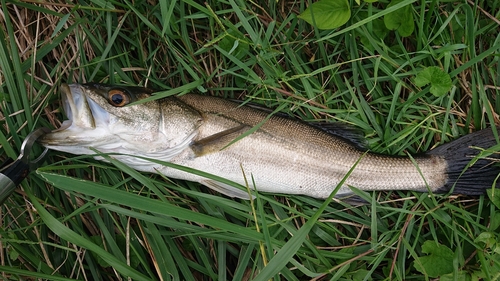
(280, 154)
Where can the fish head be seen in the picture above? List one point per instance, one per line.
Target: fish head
(100, 117)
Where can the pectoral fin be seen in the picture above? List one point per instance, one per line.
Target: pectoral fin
(226, 189)
(217, 142)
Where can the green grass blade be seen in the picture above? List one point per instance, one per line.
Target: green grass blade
(67, 234)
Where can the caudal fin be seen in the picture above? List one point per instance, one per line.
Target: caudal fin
(465, 175)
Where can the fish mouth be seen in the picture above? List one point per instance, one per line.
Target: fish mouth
(85, 118)
(76, 108)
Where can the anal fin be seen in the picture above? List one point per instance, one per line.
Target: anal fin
(227, 190)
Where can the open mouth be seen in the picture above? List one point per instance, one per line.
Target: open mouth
(81, 110)
(68, 103)
(85, 121)
(77, 107)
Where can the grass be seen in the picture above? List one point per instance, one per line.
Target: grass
(77, 218)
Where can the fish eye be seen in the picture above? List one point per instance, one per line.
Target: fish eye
(117, 97)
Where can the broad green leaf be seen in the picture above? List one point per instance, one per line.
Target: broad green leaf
(400, 20)
(495, 218)
(494, 196)
(439, 260)
(378, 32)
(488, 238)
(440, 81)
(461, 276)
(327, 14)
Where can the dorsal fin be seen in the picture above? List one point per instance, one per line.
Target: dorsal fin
(349, 133)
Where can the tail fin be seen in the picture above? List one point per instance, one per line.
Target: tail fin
(464, 175)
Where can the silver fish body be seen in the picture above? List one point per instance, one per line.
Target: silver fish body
(281, 156)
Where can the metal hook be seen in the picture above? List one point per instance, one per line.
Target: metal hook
(13, 172)
(27, 145)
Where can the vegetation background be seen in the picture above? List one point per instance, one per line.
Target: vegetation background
(80, 219)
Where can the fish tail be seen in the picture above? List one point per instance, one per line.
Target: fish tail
(472, 166)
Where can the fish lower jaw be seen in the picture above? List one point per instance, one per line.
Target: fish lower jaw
(78, 150)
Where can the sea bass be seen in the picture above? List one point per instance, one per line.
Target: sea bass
(280, 154)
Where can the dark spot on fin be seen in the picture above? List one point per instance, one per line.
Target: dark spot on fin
(349, 133)
(466, 174)
(217, 142)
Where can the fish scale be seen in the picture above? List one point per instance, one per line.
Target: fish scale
(282, 155)
(289, 138)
